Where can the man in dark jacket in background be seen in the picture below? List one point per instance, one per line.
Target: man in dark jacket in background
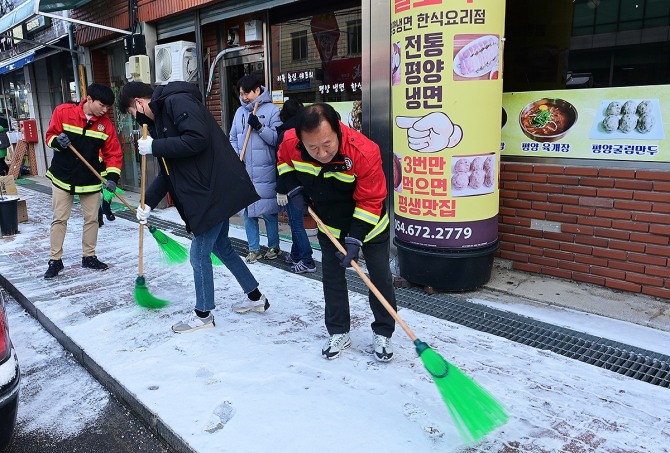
(88, 129)
(206, 180)
(300, 257)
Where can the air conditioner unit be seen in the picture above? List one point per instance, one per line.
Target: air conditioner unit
(176, 61)
(137, 69)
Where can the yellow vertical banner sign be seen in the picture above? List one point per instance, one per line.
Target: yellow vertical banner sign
(446, 85)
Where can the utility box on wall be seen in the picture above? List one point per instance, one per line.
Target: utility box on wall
(253, 30)
(29, 128)
(137, 69)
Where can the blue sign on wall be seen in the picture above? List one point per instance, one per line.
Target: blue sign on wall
(16, 64)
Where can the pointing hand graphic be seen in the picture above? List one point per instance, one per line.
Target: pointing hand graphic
(431, 133)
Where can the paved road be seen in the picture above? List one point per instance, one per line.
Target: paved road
(62, 408)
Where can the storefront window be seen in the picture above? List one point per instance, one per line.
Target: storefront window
(586, 44)
(15, 96)
(317, 58)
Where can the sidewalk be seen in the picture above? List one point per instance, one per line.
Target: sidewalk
(258, 383)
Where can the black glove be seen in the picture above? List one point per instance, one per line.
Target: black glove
(111, 186)
(255, 122)
(297, 198)
(63, 140)
(353, 246)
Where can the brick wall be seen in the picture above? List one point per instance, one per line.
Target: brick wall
(112, 13)
(100, 67)
(600, 225)
(151, 10)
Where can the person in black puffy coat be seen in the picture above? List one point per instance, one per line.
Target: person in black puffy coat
(206, 181)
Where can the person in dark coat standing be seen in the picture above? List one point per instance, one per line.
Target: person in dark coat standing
(300, 257)
(206, 180)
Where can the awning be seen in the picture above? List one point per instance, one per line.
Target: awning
(31, 8)
(50, 6)
(17, 16)
(17, 62)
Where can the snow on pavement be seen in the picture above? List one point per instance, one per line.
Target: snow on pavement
(57, 396)
(257, 382)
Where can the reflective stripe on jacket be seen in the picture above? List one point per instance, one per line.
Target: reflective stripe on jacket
(93, 138)
(347, 193)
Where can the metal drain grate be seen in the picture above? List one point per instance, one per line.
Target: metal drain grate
(637, 363)
(631, 361)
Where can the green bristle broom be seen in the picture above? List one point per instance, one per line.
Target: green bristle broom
(108, 196)
(474, 410)
(173, 251)
(142, 295)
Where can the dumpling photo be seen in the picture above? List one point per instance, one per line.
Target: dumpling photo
(645, 123)
(461, 165)
(477, 164)
(459, 181)
(628, 123)
(611, 123)
(489, 179)
(477, 179)
(644, 107)
(614, 108)
(489, 163)
(629, 108)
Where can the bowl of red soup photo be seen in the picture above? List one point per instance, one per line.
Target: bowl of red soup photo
(547, 120)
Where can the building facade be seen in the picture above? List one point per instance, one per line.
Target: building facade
(590, 205)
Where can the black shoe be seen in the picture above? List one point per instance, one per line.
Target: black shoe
(92, 262)
(107, 209)
(55, 266)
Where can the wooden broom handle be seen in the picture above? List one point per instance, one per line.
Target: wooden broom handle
(140, 271)
(364, 277)
(246, 139)
(90, 167)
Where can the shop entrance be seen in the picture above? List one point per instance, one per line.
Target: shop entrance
(233, 69)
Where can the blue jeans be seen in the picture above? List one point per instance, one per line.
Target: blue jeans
(254, 235)
(216, 240)
(301, 250)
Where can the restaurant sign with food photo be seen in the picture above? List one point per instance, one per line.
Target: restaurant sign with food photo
(624, 123)
(636, 119)
(547, 120)
(477, 57)
(446, 95)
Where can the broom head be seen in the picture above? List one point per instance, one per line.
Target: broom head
(475, 411)
(173, 251)
(144, 298)
(215, 260)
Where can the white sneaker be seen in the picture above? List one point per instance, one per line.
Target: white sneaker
(335, 345)
(383, 347)
(261, 305)
(193, 322)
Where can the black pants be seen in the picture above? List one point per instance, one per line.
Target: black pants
(335, 291)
